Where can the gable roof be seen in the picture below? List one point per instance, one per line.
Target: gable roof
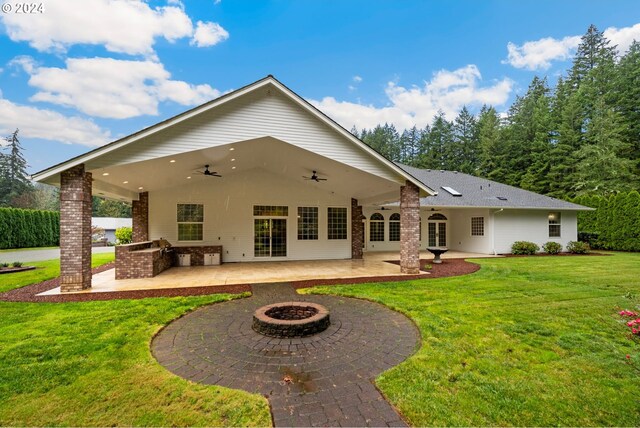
(482, 193)
(269, 80)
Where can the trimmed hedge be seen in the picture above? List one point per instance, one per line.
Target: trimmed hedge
(21, 228)
(614, 225)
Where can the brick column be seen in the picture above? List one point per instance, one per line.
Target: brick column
(357, 230)
(140, 220)
(409, 228)
(75, 229)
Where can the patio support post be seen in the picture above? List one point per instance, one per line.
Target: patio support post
(140, 220)
(409, 228)
(75, 229)
(357, 230)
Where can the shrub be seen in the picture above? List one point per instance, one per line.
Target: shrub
(524, 247)
(124, 235)
(552, 247)
(4, 265)
(577, 247)
(17, 264)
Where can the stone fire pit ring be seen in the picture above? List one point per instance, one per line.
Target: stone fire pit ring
(291, 319)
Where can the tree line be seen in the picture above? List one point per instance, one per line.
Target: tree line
(579, 137)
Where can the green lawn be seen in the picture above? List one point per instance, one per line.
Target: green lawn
(44, 270)
(524, 341)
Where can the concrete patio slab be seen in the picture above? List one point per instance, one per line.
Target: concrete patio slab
(373, 265)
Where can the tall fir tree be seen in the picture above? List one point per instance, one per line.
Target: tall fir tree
(14, 180)
(464, 153)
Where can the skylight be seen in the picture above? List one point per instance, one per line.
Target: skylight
(453, 191)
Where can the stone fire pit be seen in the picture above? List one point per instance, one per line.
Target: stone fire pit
(291, 319)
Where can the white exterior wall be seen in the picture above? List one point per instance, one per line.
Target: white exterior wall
(460, 231)
(228, 215)
(531, 225)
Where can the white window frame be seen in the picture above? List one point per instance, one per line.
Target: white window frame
(178, 223)
(298, 220)
(346, 234)
(376, 223)
(478, 230)
(555, 224)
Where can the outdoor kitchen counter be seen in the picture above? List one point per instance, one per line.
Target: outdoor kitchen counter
(141, 260)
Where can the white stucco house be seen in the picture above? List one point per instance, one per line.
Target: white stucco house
(289, 184)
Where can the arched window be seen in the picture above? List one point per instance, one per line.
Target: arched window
(437, 216)
(376, 227)
(394, 227)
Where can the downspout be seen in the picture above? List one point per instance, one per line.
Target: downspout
(493, 230)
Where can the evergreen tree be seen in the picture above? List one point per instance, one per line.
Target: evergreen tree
(410, 143)
(600, 169)
(490, 153)
(628, 101)
(463, 155)
(14, 180)
(437, 154)
(385, 140)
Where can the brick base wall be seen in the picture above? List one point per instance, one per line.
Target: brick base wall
(75, 229)
(409, 228)
(357, 230)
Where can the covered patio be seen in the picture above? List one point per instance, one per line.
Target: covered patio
(373, 265)
(258, 175)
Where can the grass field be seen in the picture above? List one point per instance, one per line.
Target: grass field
(44, 270)
(524, 341)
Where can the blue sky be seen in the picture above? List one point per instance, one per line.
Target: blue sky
(81, 73)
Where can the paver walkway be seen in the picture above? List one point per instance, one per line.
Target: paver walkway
(322, 380)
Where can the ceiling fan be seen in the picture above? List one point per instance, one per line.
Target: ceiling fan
(208, 173)
(315, 177)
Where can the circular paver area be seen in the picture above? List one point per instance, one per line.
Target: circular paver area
(321, 380)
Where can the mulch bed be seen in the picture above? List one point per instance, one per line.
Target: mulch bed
(16, 269)
(28, 293)
(556, 255)
(449, 267)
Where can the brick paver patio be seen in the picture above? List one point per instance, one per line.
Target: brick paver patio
(322, 380)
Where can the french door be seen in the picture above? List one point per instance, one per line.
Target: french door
(270, 237)
(437, 234)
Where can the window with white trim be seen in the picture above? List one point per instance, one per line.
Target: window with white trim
(337, 223)
(394, 227)
(307, 223)
(376, 227)
(554, 224)
(190, 219)
(477, 226)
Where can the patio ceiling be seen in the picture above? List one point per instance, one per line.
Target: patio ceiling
(124, 182)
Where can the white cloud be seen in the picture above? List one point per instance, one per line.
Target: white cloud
(623, 37)
(50, 125)
(447, 91)
(107, 87)
(357, 79)
(538, 54)
(121, 26)
(208, 34)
